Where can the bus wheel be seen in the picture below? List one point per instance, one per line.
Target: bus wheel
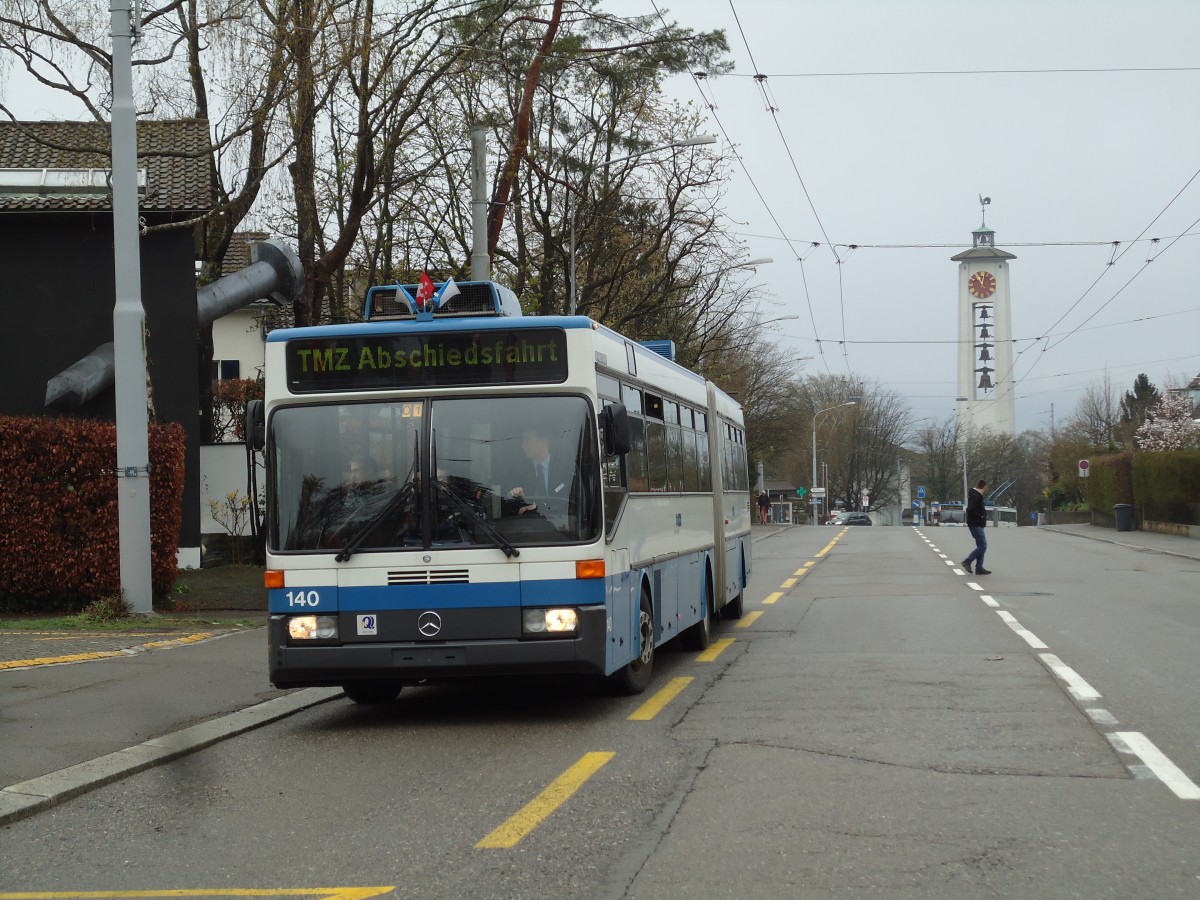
(733, 609)
(700, 635)
(371, 692)
(635, 676)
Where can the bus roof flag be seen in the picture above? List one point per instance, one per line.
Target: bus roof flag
(424, 292)
(447, 293)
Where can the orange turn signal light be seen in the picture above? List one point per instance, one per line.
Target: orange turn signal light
(273, 578)
(589, 568)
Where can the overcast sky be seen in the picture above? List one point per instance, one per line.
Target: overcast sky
(1071, 160)
(895, 163)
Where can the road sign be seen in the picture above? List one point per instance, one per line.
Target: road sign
(1083, 468)
(916, 504)
(818, 492)
(921, 491)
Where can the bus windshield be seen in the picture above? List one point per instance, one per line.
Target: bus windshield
(459, 472)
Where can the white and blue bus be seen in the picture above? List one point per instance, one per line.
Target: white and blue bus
(952, 513)
(468, 491)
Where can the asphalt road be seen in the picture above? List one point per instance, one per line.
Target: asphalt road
(874, 726)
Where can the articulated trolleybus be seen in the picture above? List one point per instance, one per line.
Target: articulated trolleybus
(466, 491)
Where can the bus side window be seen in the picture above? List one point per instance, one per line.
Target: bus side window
(703, 461)
(656, 454)
(635, 459)
(675, 464)
(691, 465)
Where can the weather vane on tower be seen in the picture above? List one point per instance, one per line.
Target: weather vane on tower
(983, 205)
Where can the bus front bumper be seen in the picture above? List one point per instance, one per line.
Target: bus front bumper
(295, 665)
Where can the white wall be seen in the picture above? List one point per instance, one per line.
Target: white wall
(236, 335)
(222, 471)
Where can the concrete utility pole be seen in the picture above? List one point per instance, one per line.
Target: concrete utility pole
(481, 261)
(129, 329)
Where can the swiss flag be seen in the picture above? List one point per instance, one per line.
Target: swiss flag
(424, 291)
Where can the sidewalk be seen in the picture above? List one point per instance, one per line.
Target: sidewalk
(81, 710)
(1145, 541)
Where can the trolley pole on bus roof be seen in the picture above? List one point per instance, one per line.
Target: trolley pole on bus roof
(129, 329)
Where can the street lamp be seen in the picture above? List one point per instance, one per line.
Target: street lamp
(816, 412)
(695, 141)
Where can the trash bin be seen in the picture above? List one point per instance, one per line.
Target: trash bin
(1124, 514)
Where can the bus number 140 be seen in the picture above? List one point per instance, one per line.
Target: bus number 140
(303, 598)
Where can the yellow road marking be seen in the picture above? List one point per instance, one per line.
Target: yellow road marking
(788, 584)
(655, 704)
(55, 660)
(749, 619)
(103, 654)
(536, 810)
(800, 575)
(771, 598)
(331, 893)
(715, 649)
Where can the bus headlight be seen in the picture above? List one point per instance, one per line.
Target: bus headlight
(548, 622)
(312, 628)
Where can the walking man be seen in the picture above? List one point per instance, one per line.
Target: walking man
(976, 521)
(764, 506)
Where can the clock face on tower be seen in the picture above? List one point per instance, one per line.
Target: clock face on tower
(982, 284)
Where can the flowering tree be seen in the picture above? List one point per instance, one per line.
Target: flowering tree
(1169, 425)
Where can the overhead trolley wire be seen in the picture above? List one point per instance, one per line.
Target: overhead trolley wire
(773, 110)
(710, 103)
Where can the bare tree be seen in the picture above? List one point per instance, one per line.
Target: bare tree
(1096, 416)
(862, 444)
(937, 460)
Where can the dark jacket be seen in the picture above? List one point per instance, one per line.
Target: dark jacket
(976, 514)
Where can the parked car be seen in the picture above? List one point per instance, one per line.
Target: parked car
(850, 518)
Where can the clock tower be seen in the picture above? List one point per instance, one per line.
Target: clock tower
(985, 363)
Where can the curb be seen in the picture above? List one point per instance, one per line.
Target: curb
(1141, 548)
(28, 797)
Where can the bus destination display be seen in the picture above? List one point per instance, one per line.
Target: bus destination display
(438, 359)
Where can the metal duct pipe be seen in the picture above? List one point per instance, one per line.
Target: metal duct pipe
(74, 386)
(275, 272)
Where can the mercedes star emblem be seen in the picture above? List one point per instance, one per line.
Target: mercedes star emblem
(429, 623)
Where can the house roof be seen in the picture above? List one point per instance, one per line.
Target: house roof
(176, 155)
(237, 257)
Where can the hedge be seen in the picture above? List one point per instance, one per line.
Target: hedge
(1167, 486)
(1163, 486)
(1109, 481)
(58, 509)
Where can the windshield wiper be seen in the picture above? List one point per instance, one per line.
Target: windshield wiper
(463, 507)
(398, 499)
(402, 494)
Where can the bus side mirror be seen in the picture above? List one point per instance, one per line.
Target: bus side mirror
(255, 426)
(614, 422)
